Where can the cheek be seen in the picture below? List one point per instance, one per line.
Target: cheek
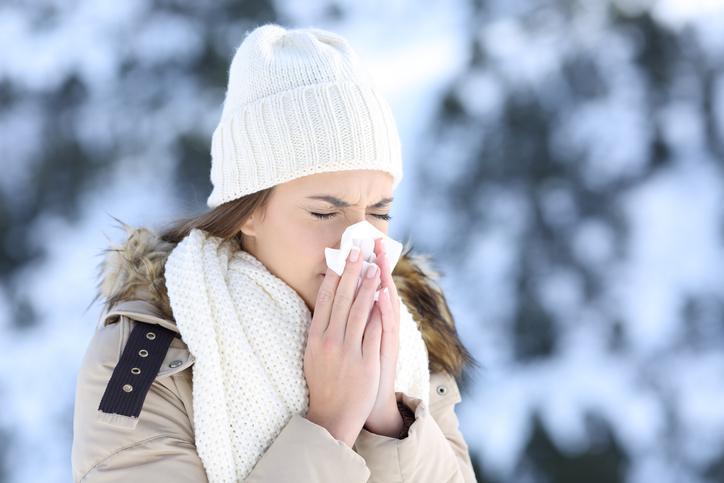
(306, 252)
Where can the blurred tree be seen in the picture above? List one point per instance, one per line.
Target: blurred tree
(559, 116)
(64, 163)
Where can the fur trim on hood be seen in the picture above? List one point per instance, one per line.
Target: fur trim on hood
(135, 270)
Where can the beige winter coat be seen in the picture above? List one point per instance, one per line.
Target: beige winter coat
(159, 444)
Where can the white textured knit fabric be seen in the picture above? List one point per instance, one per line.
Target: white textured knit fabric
(247, 329)
(298, 102)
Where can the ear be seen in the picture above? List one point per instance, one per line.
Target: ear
(248, 228)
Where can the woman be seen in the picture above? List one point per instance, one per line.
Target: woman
(228, 351)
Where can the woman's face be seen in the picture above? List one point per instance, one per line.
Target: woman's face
(289, 239)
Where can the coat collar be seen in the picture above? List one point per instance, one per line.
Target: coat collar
(131, 282)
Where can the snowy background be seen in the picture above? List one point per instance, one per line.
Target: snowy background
(563, 167)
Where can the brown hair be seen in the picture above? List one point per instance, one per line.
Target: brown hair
(224, 221)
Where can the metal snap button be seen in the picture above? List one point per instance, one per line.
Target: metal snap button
(150, 335)
(135, 370)
(127, 387)
(175, 363)
(143, 353)
(441, 390)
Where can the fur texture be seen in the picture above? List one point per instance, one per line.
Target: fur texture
(135, 270)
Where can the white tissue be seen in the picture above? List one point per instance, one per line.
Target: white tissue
(363, 235)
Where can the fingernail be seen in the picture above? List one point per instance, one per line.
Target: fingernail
(386, 292)
(354, 254)
(371, 271)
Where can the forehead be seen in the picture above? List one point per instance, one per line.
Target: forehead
(348, 185)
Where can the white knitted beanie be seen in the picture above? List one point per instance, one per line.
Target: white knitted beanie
(299, 102)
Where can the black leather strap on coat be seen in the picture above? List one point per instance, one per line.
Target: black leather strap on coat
(136, 369)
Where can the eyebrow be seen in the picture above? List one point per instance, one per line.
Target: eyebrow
(343, 204)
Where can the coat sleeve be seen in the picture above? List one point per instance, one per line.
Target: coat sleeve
(306, 452)
(156, 446)
(160, 444)
(434, 449)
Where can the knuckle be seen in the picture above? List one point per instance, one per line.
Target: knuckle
(344, 297)
(325, 295)
(313, 336)
(329, 345)
(354, 266)
(355, 313)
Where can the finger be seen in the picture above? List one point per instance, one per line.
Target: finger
(344, 296)
(390, 325)
(372, 337)
(360, 312)
(382, 260)
(323, 303)
(386, 272)
(389, 321)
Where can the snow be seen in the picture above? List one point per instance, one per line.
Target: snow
(660, 272)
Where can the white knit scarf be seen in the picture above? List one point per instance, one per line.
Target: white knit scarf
(247, 330)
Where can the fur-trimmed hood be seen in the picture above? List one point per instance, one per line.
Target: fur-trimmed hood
(134, 270)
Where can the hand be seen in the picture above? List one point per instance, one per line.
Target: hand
(342, 356)
(385, 418)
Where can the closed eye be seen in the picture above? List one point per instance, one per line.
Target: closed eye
(325, 216)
